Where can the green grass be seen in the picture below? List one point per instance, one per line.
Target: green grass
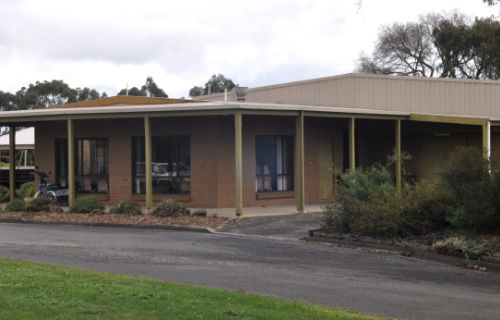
(38, 291)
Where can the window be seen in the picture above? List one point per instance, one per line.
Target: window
(171, 165)
(25, 158)
(274, 163)
(91, 165)
(62, 162)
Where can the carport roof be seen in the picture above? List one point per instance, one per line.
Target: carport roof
(187, 109)
(207, 108)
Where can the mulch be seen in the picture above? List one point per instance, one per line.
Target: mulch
(144, 219)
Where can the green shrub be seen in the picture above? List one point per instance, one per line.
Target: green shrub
(170, 208)
(127, 208)
(40, 204)
(87, 204)
(366, 203)
(18, 205)
(465, 195)
(471, 191)
(27, 190)
(427, 209)
(4, 194)
(381, 216)
(466, 248)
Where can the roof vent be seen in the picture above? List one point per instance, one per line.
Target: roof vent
(241, 93)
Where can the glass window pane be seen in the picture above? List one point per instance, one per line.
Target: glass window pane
(91, 165)
(274, 163)
(61, 162)
(170, 165)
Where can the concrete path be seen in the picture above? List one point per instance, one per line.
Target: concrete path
(260, 211)
(393, 286)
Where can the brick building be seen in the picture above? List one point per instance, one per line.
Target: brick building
(275, 145)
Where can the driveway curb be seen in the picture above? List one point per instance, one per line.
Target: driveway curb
(415, 253)
(108, 224)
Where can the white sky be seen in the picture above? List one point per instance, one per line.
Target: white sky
(106, 44)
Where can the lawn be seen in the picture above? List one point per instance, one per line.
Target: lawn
(38, 291)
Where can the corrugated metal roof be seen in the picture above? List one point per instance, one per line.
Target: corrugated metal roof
(455, 97)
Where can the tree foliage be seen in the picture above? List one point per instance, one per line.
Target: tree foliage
(216, 84)
(437, 46)
(149, 89)
(45, 94)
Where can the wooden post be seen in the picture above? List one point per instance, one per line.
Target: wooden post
(71, 163)
(398, 156)
(238, 163)
(352, 144)
(148, 158)
(487, 140)
(12, 163)
(299, 163)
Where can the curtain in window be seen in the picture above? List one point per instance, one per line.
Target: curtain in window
(274, 163)
(91, 164)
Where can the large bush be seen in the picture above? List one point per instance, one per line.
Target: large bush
(87, 204)
(427, 209)
(170, 208)
(18, 205)
(472, 191)
(366, 203)
(4, 194)
(27, 190)
(465, 196)
(130, 208)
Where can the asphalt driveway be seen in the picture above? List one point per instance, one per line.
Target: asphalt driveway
(293, 226)
(394, 286)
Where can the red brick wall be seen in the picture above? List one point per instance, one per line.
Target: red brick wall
(212, 153)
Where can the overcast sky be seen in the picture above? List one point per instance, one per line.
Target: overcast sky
(106, 44)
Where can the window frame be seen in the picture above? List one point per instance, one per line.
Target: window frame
(274, 175)
(63, 143)
(178, 175)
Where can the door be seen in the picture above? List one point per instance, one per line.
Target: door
(326, 168)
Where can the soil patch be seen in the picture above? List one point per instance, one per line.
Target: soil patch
(144, 219)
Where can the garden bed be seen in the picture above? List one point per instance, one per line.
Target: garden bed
(109, 218)
(466, 248)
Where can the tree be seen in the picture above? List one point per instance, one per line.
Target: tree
(403, 49)
(149, 89)
(87, 94)
(216, 84)
(134, 91)
(437, 46)
(45, 94)
(7, 101)
(196, 91)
